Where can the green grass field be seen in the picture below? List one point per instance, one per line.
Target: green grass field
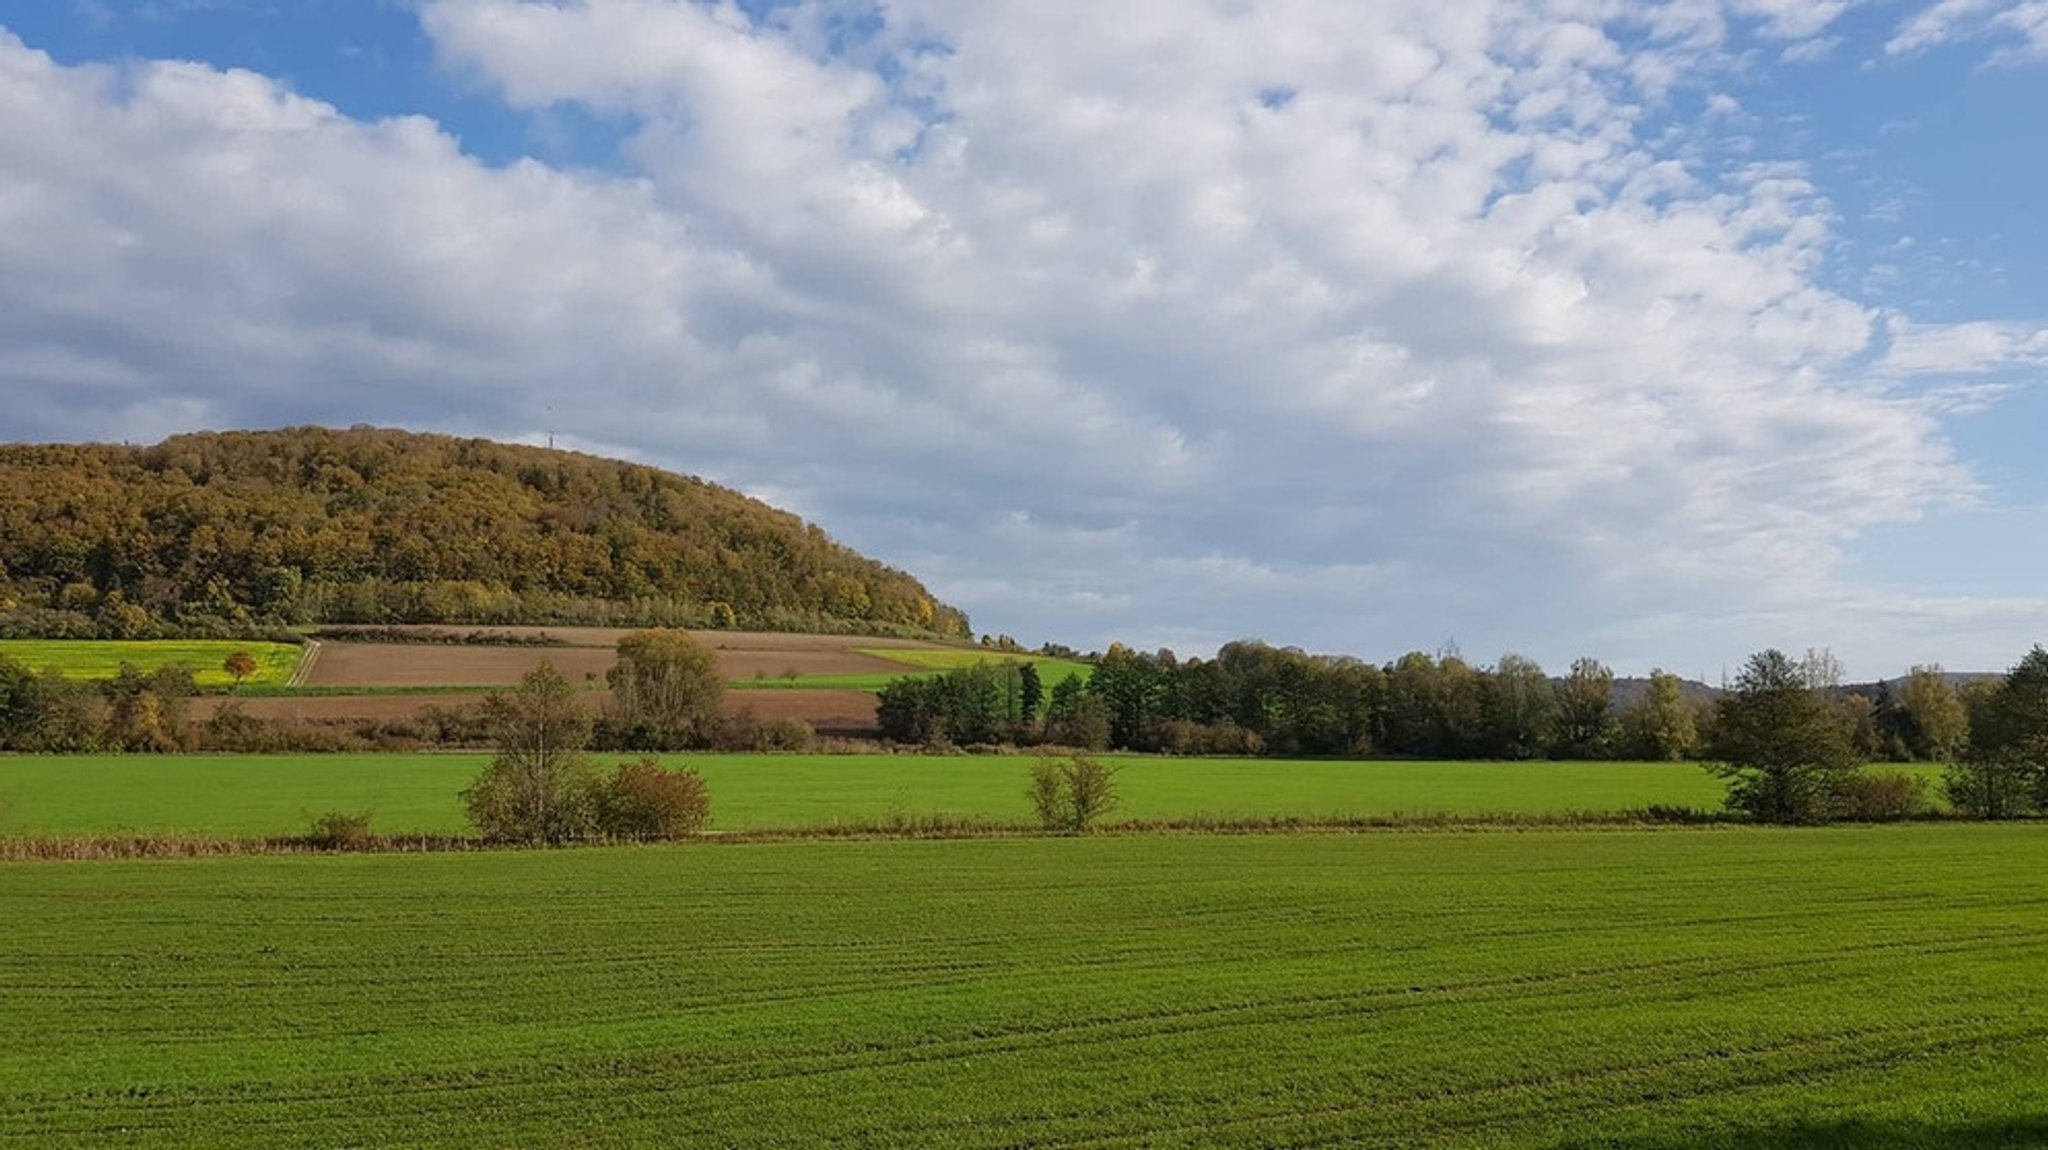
(266, 794)
(1051, 671)
(101, 659)
(921, 661)
(1643, 990)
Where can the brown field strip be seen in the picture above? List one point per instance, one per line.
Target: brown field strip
(741, 655)
(431, 665)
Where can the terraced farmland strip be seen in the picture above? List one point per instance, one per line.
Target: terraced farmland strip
(1851, 987)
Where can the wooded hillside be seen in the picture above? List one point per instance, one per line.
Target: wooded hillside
(367, 525)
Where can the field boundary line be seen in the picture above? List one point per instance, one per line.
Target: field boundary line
(305, 667)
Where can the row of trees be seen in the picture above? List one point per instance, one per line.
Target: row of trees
(1257, 699)
(133, 711)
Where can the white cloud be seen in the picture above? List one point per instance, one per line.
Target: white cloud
(2019, 26)
(1062, 308)
(1962, 348)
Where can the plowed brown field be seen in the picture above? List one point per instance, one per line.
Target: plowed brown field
(586, 657)
(583, 656)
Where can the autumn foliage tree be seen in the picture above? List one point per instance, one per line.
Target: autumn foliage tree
(239, 666)
(666, 689)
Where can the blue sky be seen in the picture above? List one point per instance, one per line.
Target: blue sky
(1660, 332)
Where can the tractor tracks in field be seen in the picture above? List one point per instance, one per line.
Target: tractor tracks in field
(304, 670)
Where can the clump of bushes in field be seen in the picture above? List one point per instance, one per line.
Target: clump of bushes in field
(1071, 794)
(1882, 797)
(542, 787)
(644, 800)
(341, 831)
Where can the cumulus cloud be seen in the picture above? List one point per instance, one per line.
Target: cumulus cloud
(1358, 326)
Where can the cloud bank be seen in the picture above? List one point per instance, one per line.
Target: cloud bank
(1358, 326)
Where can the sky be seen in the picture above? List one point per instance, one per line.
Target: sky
(1660, 332)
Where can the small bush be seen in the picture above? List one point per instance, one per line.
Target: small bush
(644, 800)
(1881, 797)
(1992, 788)
(337, 831)
(744, 730)
(1071, 794)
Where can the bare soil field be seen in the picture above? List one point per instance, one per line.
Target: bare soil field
(741, 655)
(433, 665)
(584, 658)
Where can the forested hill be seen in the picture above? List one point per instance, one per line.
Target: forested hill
(367, 525)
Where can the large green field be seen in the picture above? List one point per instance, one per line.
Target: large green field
(101, 659)
(263, 794)
(1740, 989)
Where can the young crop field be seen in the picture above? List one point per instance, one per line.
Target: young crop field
(1732, 989)
(1051, 672)
(254, 795)
(102, 659)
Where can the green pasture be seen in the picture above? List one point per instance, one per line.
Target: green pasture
(102, 658)
(923, 661)
(1645, 990)
(279, 794)
(1051, 671)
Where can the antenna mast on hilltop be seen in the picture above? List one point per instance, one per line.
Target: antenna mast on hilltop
(551, 427)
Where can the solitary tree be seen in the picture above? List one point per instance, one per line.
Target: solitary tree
(666, 688)
(240, 665)
(1783, 750)
(539, 787)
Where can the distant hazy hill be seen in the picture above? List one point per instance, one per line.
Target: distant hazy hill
(1629, 691)
(371, 525)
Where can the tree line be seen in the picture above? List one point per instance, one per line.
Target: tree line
(1252, 698)
(1790, 740)
(211, 534)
